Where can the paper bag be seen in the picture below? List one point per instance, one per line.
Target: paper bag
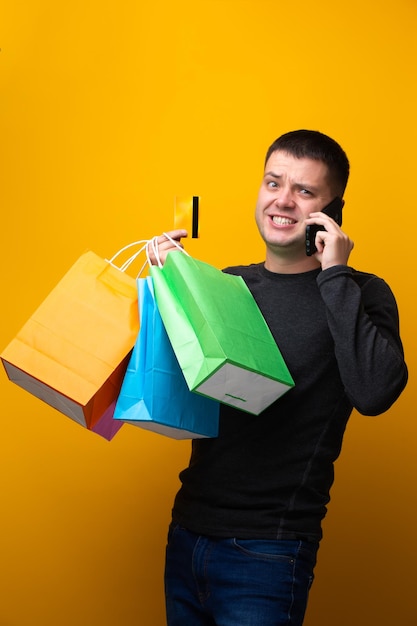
(221, 340)
(154, 394)
(73, 351)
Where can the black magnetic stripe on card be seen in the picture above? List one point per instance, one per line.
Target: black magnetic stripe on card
(195, 217)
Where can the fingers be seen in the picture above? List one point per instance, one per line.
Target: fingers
(322, 219)
(176, 235)
(333, 247)
(333, 244)
(163, 244)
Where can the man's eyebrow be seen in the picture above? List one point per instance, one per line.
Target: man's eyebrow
(307, 186)
(297, 185)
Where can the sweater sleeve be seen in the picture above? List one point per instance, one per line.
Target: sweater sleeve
(363, 320)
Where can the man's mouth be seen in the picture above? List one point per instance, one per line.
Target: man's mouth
(282, 221)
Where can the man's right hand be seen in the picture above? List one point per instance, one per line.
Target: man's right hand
(165, 245)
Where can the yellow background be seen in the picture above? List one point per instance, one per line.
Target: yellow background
(108, 110)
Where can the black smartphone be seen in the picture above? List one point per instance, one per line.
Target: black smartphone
(333, 210)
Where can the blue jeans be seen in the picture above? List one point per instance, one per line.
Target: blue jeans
(236, 582)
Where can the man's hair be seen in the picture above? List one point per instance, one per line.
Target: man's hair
(312, 144)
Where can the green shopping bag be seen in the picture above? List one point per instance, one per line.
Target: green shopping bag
(221, 340)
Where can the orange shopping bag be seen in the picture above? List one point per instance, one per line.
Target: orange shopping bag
(73, 351)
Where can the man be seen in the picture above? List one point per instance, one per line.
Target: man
(246, 521)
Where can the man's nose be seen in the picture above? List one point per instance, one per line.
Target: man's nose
(284, 198)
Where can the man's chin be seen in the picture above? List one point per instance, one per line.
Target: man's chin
(276, 242)
(286, 246)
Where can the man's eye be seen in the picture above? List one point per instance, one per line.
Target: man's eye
(305, 192)
(271, 184)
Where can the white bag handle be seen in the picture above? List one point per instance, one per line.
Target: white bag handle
(130, 260)
(146, 243)
(153, 243)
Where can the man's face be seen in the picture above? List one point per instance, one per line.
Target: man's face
(291, 189)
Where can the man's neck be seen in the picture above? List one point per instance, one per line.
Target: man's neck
(289, 264)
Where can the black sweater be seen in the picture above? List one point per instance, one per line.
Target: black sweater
(269, 476)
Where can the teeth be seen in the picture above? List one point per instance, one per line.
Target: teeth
(282, 220)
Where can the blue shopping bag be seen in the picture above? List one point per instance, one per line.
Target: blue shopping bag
(154, 393)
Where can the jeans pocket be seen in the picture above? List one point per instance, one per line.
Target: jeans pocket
(268, 549)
